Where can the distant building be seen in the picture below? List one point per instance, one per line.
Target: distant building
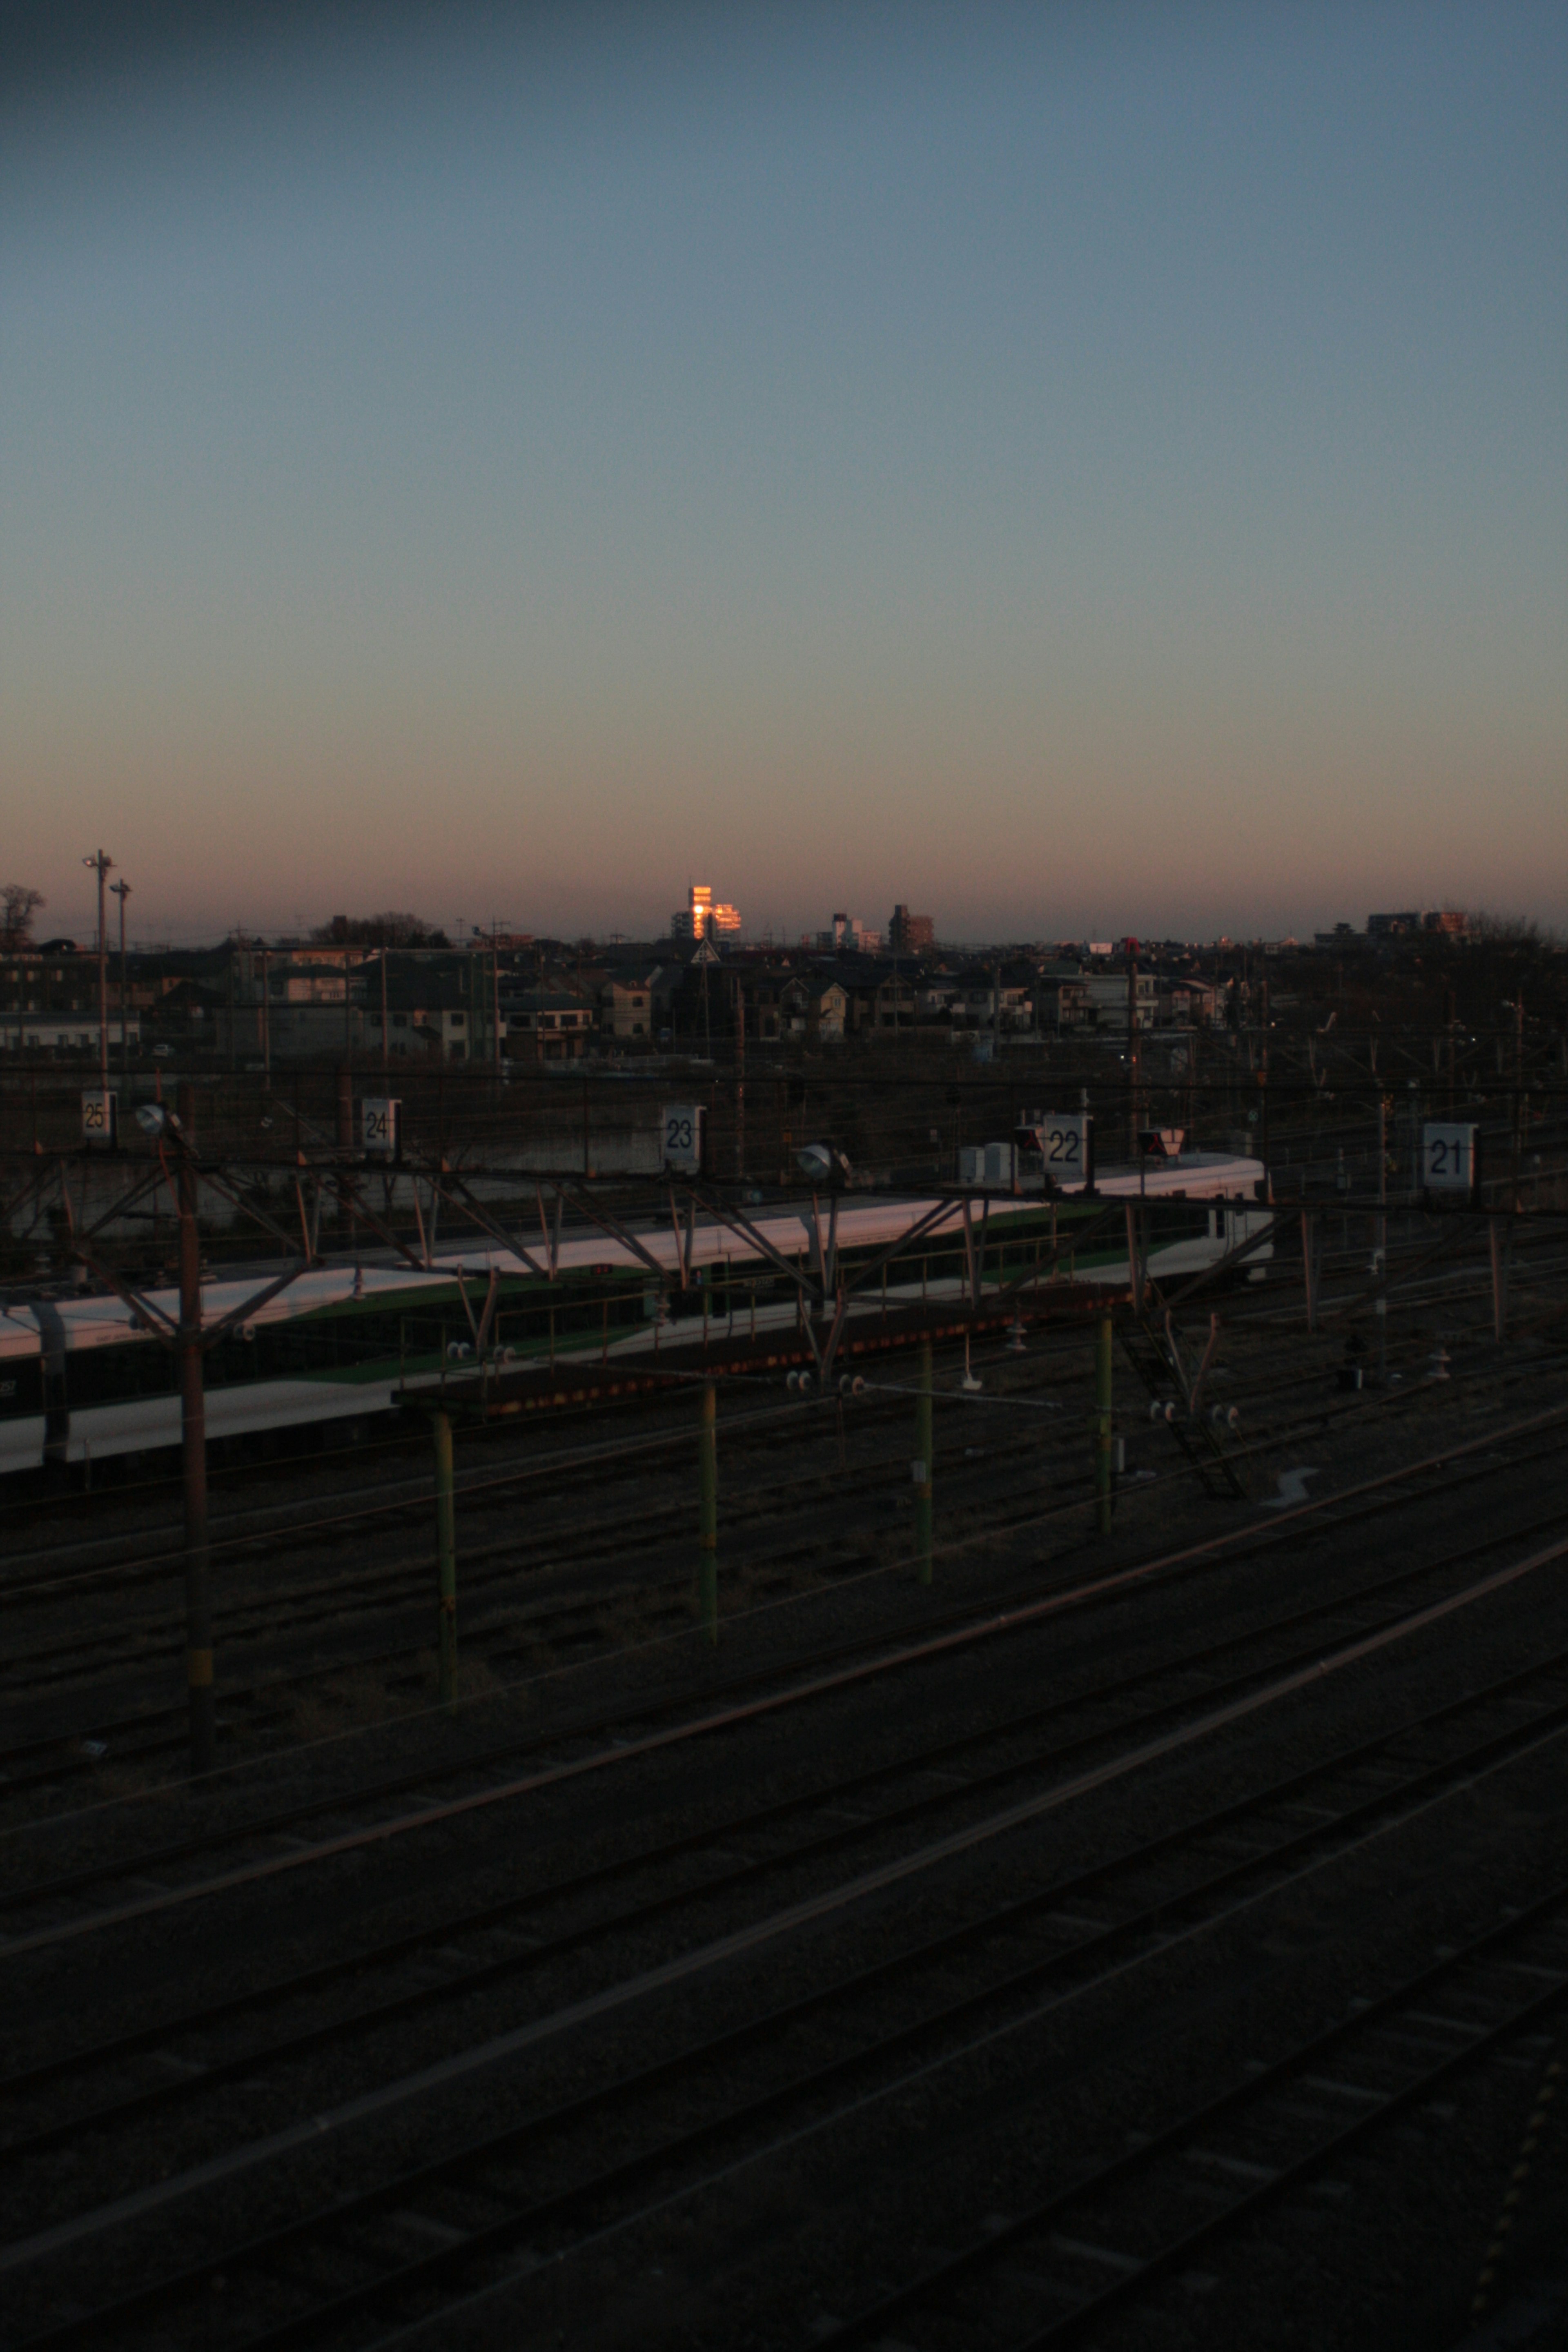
(45, 1032)
(849, 931)
(907, 934)
(630, 1002)
(1448, 922)
(810, 1007)
(700, 918)
(546, 1025)
(1105, 999)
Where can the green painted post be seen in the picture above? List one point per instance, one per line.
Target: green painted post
(446, 1554)
(1102, 1422)
(924, 1469)
(707, 1513)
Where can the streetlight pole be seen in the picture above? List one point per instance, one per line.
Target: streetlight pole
(122, 891)
(103, 866)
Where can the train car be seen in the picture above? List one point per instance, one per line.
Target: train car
(82, 1381)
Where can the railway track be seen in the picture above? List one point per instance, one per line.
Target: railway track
(1145, 2216)
(510, 1643)
(276, 1524)
(461, 2221)
(1078, 1724)
(603, 1734)
(571, 1625)
(386, 1581)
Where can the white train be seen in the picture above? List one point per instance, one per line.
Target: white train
(81, 1382)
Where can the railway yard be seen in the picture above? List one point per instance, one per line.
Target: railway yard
(1156, 1937)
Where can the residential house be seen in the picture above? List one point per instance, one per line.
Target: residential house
(629, 1005)
(811, 1008)
(1106, 994)
(547, 1025)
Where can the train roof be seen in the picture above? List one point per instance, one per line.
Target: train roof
(863, 1222)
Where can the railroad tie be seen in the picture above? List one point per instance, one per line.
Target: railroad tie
(1492, 2259)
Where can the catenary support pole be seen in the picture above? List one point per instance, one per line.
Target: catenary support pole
(121, 890)
(194, 1454)
(445, 1555)
(1102, 1406)
(1309, 1267)
(924, 1468)
(345, 1139)
(707, 1512)
(1498, 1241)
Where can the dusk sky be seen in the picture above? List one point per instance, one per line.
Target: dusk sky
(1071, 468)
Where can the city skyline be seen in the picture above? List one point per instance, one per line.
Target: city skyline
(1082, 474)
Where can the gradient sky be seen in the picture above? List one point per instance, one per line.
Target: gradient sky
(1079, 469)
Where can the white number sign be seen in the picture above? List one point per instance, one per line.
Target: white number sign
(98, 1115)
(1448, 1157)
(682, 1124)
(378, 1123)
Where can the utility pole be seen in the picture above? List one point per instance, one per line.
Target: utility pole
(1104, 1396)
(1133, 1062)
(1195, 1031)
(1518, 1092)
(385, 1044)
(740, 1080)
(924, 1468)
(1380, 1251)
(267, 1019)
(707, 1513)
(446, 1558)
(1263, 1085)
(193, 1451)
(103, 866)
(122, 891)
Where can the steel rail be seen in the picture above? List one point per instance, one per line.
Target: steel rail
(495, 1631)
(1309, 2053)
(423, 2271)
(828, 1904)
(963, 1626)
(723, 1833)
(1367, 1819)
(372, 1583)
